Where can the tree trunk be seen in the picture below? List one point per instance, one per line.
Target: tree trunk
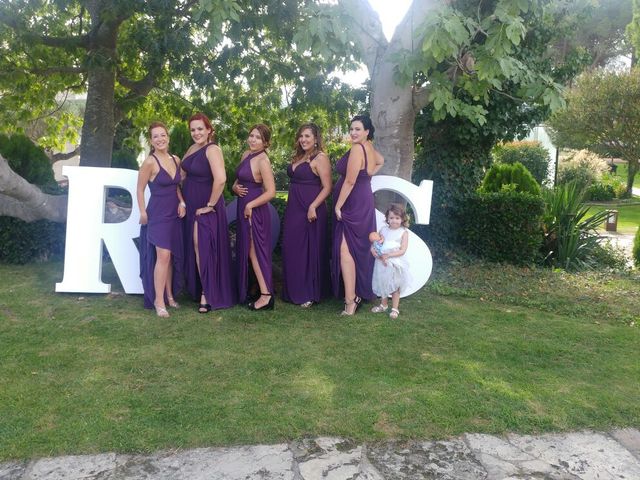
(632, 171)
(98, 128)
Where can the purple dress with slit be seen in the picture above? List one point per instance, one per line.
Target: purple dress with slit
(358, 220)
(216, 274)
(164, 230)
(305, 251)
(259, 230)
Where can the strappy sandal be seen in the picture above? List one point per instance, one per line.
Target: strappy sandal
(306, 304)
(394, 313)
(380, 308)
(345, 312)
(204, 308)
(173, 303)
(161, 311)
(267, 306)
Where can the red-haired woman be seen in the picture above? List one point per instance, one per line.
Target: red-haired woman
(208, 270)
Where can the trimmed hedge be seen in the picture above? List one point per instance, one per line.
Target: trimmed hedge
(509, 176)
(503, 226)
(531, 154)
(22, 242)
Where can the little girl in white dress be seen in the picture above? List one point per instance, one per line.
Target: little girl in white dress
(391, 269)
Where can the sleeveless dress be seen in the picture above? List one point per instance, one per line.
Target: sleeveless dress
(358, 221)
(216, 273)
(305, 252)
(395, 275)
(259, 230)
(164, 230)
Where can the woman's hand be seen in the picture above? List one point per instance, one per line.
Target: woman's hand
(143, 218)
(338, 213)
(240, 190)
(204, 210)
(311, 213)
(182, 210)
(248, 210)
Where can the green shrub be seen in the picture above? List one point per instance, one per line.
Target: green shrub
(509, 177)
(532, 155)
(600, 192)
(636, 248)
(503, 226)
(22, 242)
(27, 159)
(582, 168)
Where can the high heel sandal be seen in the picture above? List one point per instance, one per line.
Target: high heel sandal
(172, 303)
(268, 306)
(307, 304)
(203, 307)
(161, 311)
(356, 301)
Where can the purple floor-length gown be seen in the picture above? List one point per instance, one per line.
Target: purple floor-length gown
(164, 230)
(358, 220)
(305, 251)
(216, 273)
(259, 230)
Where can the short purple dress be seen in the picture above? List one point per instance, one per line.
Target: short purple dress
(216, 274)
(164, 230)
(358, 220)
(259, 230)
(305, 251)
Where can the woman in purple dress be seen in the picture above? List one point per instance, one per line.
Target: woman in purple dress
(161, 223)
(255, 186)
(208, 251)
(305, 265)
(354, 210)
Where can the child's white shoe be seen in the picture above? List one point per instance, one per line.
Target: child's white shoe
(380, 308)
(394, 313)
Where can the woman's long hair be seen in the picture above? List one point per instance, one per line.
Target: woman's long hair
(315, 131)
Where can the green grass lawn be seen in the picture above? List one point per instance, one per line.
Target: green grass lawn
(480, 349)
(628, 215)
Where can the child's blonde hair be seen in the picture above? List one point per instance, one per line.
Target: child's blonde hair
(398, 210)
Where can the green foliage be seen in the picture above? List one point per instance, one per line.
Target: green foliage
(636, 248)
(503, 226)
(509, 177)
(602, 116)
(583, 168)
(125, 146)
(530, 154)
(22, 242)
(180, 138)
(27, 159)
(570, 236)
(609, 187)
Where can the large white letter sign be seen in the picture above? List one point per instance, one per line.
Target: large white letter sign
(418, 254)
(86, 231)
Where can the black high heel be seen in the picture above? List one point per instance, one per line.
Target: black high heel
(268, 306)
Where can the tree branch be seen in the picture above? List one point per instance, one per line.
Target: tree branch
(368, 29)
(56, 157)
(21, 199)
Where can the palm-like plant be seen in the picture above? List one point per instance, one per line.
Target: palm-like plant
(570, 236)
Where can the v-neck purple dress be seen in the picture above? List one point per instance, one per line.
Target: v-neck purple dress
(163, 230)
(358, 220)
(259, 230)
(216, 277)
(305, 250)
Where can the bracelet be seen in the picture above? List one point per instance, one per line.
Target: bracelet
(209, 204)
(183, 205)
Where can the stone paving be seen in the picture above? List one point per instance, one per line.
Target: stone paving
(613, 455)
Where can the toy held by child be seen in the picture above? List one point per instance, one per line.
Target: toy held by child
(376, 242)
(391, 269)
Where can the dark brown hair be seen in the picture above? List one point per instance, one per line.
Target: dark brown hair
(156, 125)
(365, 120)
(400, 211)
(265, 133)
(207, 123)
(315, 131)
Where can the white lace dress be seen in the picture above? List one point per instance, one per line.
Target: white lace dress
(387, 279)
